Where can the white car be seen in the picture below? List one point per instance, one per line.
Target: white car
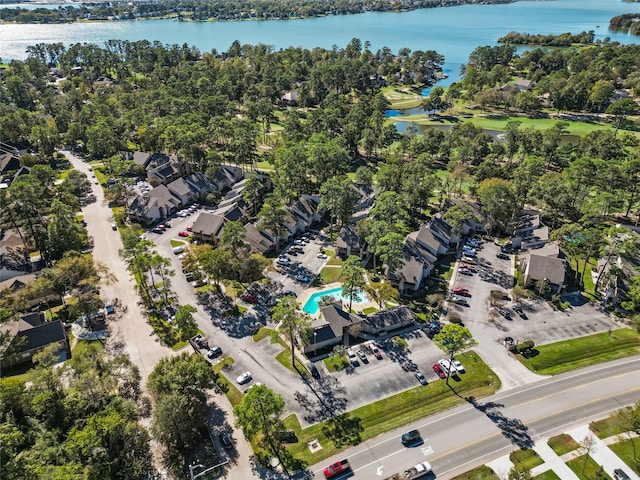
(322, 256)
(244, 378)
(458, 365)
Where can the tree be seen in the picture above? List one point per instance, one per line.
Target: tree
(338, 196)
(259, 413)
(252, 193)
(352, 276)
(628, 419)
(456, 216)
(291, 322)
(273, 216)
(520, 472)
(585, 446)
(454, 338)
(382, 292)
(390, 248)
(499, 203)
(621, 109)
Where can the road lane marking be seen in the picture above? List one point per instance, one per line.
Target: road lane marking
(428, 450)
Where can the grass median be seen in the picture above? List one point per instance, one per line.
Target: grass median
(567, 355)
(368, 421)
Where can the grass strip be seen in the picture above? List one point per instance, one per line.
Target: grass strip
(230, 390)
(588, 470)
(480, 473)
(330, 274)
(526, 458)
(581, 352)
(548, 475)
(284, 357)
(607, 427)
(562, 444)
(624, 449)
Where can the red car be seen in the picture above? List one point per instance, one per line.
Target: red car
(189, 228)
(460, 291)
(468, 267)
(247, 297)
(438, 369)
(183, 234)
(336, 469)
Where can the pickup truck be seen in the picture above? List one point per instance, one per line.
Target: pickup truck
(336, 469)
(417, 471)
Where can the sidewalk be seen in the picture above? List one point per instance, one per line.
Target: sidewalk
(551, 462)
(601, 453)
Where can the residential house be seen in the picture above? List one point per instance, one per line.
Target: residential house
(9, 162)
(208, 227)
(153, 206)
(199, 185)
(336, 326)
(524, 85)
(33, 335)
(166, 173)
(260, 242)
(226, 177)
(290, 99)
(419, 262)
(147, 161)
(13, 253)
(180, 189)
(15, 283)
(531, 233)
(551, 269)
(475, 225)
(349, 243)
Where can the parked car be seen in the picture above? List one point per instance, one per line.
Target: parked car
(504, 312)
(183, 234)
(109, 309)
(114, 226)
(190, 228)
(226, 442)
(468, 266)
(302, 278)
(362, 355)
(244, 378)
(460, 300)
(439, 371)
(502, 256)
(507, 248)
(460, 291)
(214, 352)
(299, 242)
(157, 230)
(352, 356)
(315, 373)
(421, 378)
(619, 474)
(322, 256)
(249, 298)
(458, 365)
(465, 271)
(468, 259)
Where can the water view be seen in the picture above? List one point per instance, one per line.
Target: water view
(453, 31)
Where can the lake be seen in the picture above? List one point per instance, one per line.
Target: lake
(452, 31)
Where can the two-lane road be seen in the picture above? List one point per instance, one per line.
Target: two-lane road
(473, 434)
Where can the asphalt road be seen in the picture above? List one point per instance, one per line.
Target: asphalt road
(475, 433)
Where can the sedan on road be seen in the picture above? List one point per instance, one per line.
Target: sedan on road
(244, 378)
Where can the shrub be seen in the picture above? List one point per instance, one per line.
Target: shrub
(400, 341)
(524, 346)
(454, 318)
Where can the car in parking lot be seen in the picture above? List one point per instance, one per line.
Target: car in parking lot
(468, 266)
(468, 259)
(502, 256)
(459, 299)
(322, 256)
(226, 442)
(157, 230)
(114, 226)
(283, 261)
(183, 234)
(361, 354)
(190, 228)
(504, 312)
(315, 373)
(244, 378)
(465, 271)
(507, 248)
(458, 365)
(421, 378)
(302, 278)
(460, 291)
(352, 356)
(299, 242)
(249, 298)
(439, 371)
(214, 352)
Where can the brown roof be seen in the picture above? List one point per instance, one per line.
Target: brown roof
(539, 267)
(208, 224)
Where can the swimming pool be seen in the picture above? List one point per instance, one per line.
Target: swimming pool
(311, 306)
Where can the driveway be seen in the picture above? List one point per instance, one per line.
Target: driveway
(128, 328)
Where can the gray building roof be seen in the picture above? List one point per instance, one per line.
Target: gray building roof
(208, 224)
(539, 267)
(389, 319)
(338, 319)
(348, 238)
(179, 187)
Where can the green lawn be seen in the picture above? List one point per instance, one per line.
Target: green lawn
(591, 469)
(329, 274)
(369, 310)
(231, 391)
(624, 450)
(480, 473)
(607, 427)
(176, 243)
(284, 357)
(336, 363)
(562, 444)
(548, 475)
(334, 261)
(526, 458)
(581, 352)
(588, 287)
(392, 412)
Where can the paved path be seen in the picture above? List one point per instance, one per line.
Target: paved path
(130, 327)
(551, 462)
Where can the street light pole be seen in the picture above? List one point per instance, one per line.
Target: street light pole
(315, 334)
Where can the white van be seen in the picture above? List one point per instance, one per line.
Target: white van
(446, 365)
(178, 250)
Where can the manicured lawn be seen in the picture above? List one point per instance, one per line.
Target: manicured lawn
(369, 310)
(581, 352)
(562, 444)
(606, 427)
(624, 450)
(591, 469)
(329, 274)
(548, 475)
(371, 420)
(401, 98)
(480, 473)
(262, 333)
(231, 391)
(526, 458)
(334, 261)
(335, 364)
(180, 345)
(176, 243)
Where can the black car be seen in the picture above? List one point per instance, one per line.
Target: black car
(315, 373)
(505, 313)
(502, 256)
(619, 474)
(226, 441)
(214, 352)
(411, 438)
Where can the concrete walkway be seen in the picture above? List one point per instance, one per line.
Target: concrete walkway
(600, 453)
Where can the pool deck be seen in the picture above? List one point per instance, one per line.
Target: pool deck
(307, 292)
